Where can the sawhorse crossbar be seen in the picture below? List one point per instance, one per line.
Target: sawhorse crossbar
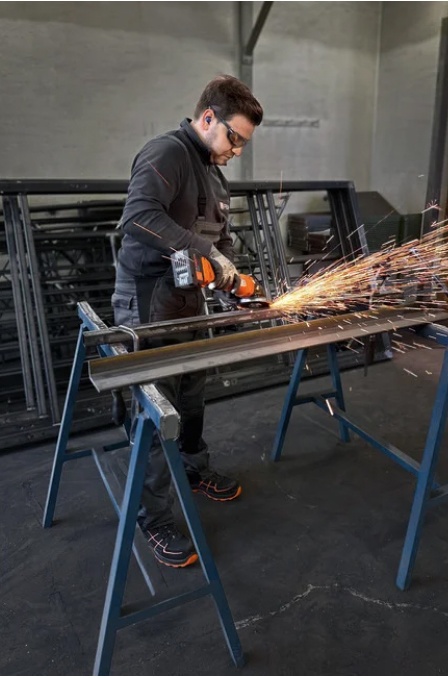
(156, 414)
(428, 492)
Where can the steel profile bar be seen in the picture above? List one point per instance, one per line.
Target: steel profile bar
(110, 186)
(114, 335)
(345, 235)
(258, 243)
(36, 363)
(40, 308)
(437, 158)
(147, 366)
(268, 241)
(257, 28)
(165, 416)
(278, 242)
(19, 310)
(62, 186)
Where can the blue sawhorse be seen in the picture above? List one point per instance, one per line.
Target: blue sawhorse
(428, 492)
(157, 413)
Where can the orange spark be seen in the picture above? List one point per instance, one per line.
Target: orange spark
(389, 277)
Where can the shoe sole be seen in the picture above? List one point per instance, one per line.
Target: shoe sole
(235, 496)
(190, 561)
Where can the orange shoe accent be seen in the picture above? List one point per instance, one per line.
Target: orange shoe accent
(191, 560)
(235, 496)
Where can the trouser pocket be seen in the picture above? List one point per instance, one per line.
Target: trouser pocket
(169, 302)
(125, 306)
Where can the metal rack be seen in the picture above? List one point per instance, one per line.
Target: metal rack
(58, 244)
(259, 243)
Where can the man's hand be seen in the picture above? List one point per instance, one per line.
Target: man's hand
(225, 271)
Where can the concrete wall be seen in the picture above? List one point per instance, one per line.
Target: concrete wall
(406, 90)
(316, 72)
(83, 85)
(348, 87)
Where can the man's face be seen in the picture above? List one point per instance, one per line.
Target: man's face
(227, 138)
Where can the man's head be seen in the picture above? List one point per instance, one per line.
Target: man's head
(225, 117)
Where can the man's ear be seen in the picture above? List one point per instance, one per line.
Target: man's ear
(208, 116)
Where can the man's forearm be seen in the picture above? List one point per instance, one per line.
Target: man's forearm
(155, 229)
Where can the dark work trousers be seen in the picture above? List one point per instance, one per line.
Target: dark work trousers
(142, 300)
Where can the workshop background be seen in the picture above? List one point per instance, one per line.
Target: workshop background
(348, 87)
(309, 555)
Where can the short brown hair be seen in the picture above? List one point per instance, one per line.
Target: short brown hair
(230, 97)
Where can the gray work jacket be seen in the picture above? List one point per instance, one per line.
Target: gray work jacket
(164, 197)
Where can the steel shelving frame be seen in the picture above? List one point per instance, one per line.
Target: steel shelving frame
(59, 240)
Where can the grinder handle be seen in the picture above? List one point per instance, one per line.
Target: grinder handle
(244, 285)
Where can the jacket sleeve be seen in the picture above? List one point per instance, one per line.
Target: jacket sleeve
(156, 178)
(225, 242)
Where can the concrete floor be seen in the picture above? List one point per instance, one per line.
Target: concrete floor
(308, 555)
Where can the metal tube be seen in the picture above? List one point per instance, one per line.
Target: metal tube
(352, 202)
(285, 282)
(29, 309)
(338, 220)
(153, 364)
(111, 186)
(61, 186)
(268, 241)
(278, 242)
(258, 244)
(199, 323)
(437, 158)
(244, 25)
(258, 27)
(19, 310)
(40, 310)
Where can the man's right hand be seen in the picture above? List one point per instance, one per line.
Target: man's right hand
(225, 271)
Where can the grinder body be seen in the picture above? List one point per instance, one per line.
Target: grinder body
(192, 269)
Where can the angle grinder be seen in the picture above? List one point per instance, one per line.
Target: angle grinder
(192, 269)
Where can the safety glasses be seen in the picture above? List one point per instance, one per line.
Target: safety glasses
(235, 139)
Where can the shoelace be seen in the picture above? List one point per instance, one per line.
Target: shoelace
(212, 477)
(164, 532)
(170, 531)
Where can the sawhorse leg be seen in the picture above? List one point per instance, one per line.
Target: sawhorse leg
(425, 479)
(156, 413)
(337, 385)
(425, 471)
(110, 622)
(64, 432)
(291, 398)
(190, 511)
(112, 619)
(289, 402)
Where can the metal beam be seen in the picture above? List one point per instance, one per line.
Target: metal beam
(243, 28)
(115, 335)
(113, 186)
(256, 30)
(164, 415)
(247, 37)
(64, 186)
(150, 365)
(434, 187)
(244, 65)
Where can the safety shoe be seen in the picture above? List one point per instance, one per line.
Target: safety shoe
(214, 486)
(170, 546)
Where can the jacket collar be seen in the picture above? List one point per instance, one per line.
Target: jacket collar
(199, 145)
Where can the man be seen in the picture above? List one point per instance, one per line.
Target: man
(178, 198)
